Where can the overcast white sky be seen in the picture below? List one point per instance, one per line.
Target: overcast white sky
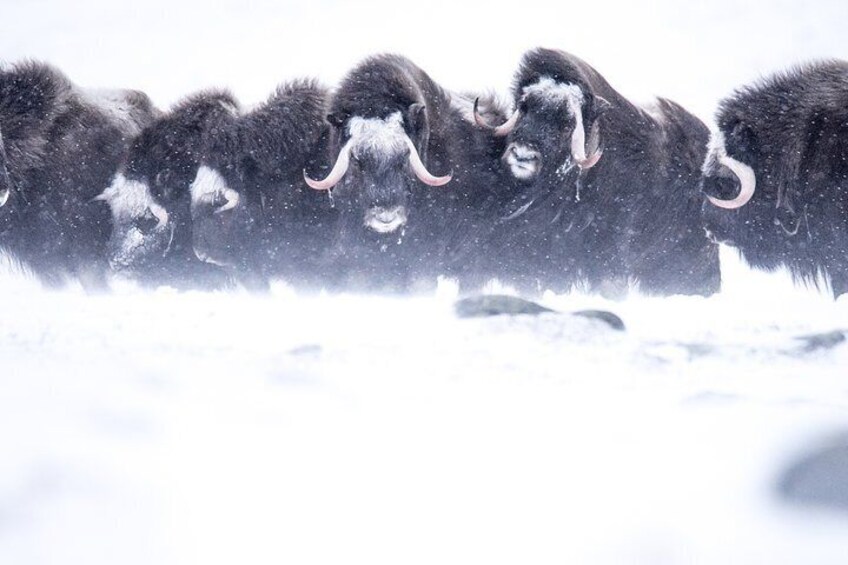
(694, 52)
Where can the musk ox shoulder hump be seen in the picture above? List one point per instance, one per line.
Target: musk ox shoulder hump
(207, 103)
(678, 119)
(383, 84)
(306, 96)
(130, 110)
(559, 66)
(31, 95)
(796, 91)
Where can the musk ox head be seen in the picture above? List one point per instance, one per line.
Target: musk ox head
(150, 196)
(747, 202)
(222, 219)
(142, 229)
(553, 129)
(379, 164)
(245, 182)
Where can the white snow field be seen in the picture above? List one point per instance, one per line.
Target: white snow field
(178, 428)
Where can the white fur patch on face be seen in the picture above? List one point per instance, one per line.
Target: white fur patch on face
(523, 162)
(129, 198)
(556, 92)
(715, 149)
(717, 153)
(208, 186)
(385, 220)
(383, 138)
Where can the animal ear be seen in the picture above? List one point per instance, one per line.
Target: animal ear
(417, 117)
(600, 105)
(335, 119)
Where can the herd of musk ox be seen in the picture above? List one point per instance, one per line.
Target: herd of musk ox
(390, 180)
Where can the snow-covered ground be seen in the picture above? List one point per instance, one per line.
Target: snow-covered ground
(169, 428)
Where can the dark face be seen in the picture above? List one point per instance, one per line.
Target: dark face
(556, 131)
(150, 201)
(375, 192)
(223, 220)
(381, 170)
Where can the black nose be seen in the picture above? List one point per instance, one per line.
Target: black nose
(523, 153)
(724, 188)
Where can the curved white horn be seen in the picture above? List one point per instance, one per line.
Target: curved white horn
(593, 147)
(509, 125)
(232, 197)
(339, 170)
(4, 196)
(747, 183)
(501, 130)
(578, 138)
(160, 213)
(478, 119)
(420, 170)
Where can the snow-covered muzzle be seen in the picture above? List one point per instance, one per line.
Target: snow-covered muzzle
(523, 161)
(142, 231)
(385, 220)
(548, 130)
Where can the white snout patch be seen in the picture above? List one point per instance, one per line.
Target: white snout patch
(131, 199)
(209, 187)
(132, 241)
(523, 162)
(385, 220)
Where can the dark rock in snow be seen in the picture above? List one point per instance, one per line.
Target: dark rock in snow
(817, 342)
(496, 305)
(614, 321)
(820, 478)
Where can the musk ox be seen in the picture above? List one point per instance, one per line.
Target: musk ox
(776, 175)
(411, 176)
(604, 192)
(251, 210)
(150, 198)
(61, 144)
